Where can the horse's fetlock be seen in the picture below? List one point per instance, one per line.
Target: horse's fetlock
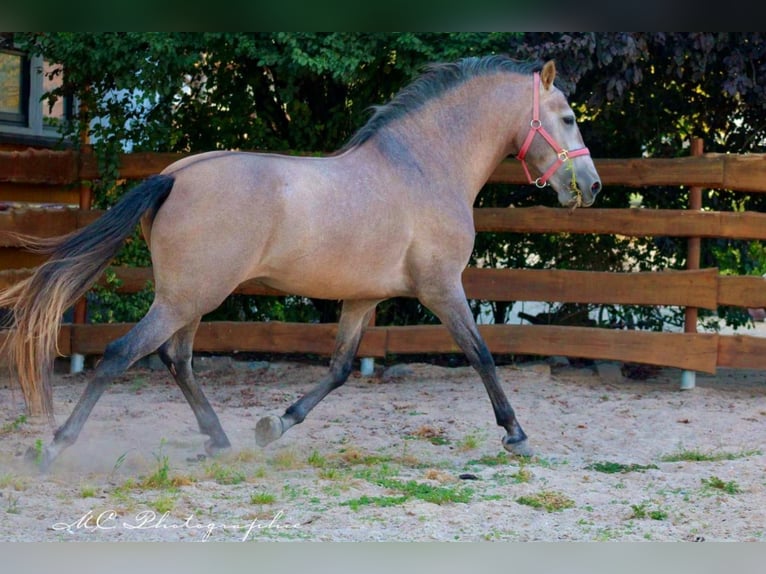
(296, 414)
(62, 437)
(340, 373)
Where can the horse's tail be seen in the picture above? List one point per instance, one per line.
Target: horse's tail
(75, 262)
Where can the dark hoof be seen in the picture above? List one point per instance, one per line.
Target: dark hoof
(517, 447)
(268, 430)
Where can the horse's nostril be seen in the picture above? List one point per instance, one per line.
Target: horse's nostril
(595, 188)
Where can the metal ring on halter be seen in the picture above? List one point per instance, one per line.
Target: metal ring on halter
(535, 124)
(563, 155)
(540, 183)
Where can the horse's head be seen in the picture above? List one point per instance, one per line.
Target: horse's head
(554, 146)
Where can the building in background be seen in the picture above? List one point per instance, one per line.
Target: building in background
(26, 120)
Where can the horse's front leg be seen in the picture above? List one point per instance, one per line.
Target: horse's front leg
(452, 309)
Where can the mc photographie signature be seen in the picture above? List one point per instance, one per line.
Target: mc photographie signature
(108, 520)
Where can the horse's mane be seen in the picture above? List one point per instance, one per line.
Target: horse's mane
(432, 83)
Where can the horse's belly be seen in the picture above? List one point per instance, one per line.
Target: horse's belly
(352, 282)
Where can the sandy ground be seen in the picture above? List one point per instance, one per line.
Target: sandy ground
(410, 454)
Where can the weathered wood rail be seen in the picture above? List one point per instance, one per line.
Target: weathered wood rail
(38, 176)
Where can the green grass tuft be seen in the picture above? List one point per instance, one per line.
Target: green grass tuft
(379, 501)
(715, 483)
(262, 498)
(641, 511)
(224, 474)
(87, 492)
(699, 456)
(547, 500)
(13, 425)
(317, 460)
(616, 467)
(402, 491)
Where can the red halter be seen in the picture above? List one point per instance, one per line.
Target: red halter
(536, 127)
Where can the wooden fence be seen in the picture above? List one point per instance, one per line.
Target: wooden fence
(48, 176)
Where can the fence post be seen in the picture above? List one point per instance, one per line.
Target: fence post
(77, 360)
(367, 364)
(688, 378)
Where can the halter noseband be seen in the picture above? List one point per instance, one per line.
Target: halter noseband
(536, 127)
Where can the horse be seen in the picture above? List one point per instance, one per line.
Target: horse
(389, 214)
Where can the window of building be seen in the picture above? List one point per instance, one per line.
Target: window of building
(25, 116)
(14, 83)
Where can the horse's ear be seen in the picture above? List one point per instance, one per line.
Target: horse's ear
(548, 74)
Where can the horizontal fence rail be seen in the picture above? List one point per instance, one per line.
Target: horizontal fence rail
(673, 288)
(44, 176)
(742, 172)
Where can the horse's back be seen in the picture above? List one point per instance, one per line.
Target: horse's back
(187, 161)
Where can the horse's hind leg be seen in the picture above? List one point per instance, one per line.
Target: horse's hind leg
(148, 334)
(353, 319)
(176, 353)
(452, 309)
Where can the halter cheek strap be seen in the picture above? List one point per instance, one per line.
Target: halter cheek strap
(536, 127)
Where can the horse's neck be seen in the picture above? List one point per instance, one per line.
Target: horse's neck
(458, 139)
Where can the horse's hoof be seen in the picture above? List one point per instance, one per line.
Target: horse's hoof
(518, 448)
(268, 430)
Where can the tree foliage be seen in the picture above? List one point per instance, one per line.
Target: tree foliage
(636, 94)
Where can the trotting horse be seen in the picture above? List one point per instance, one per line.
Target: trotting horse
(389, 215)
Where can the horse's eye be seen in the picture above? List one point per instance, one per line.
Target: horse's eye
(569, 120)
